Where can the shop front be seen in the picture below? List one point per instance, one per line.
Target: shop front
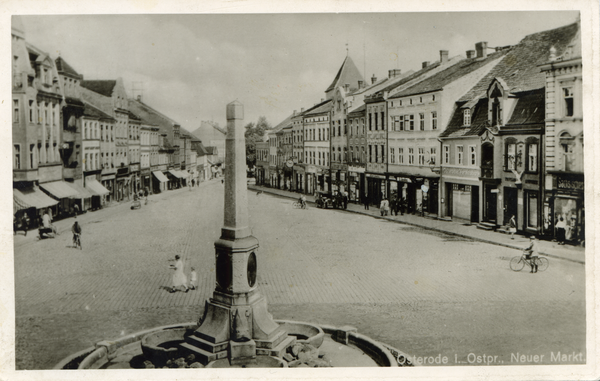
(376, 188)
(564, 208)
(356, 183)
(298, 178)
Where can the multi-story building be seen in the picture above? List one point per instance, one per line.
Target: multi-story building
(492, 163)
(148, 154)
(287, 155)
(133, 150)
(564, 177)
(212, 135)
(417, 115)
(357, 159)
(298, 174)
(262, 162)
(316, 121)
(347, 80)
(273, 158)
(110, 97)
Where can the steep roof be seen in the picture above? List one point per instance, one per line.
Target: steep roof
(319, 108)
(479, 121)
(449, 75)
(529, 110)
(348, 73)
(519, 68)
(152, 116)
(64, 68)
(287, 122)
(104, 87)
(94, 112)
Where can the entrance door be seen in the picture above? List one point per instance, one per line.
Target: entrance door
(510, 204)
(491, 203)
(449, 199)
(474, 204)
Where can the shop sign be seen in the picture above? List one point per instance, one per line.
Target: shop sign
(375, 176)
(567, 184)
(461, 172)
(403, 179)
(356, 169)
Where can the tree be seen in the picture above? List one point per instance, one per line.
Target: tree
(254, 133)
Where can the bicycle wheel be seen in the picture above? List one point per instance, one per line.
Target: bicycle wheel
(542, 263)
(517, 263)
(296, 205)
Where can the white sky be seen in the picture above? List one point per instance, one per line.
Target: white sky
(191, 66)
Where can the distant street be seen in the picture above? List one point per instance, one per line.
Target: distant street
(425, 293)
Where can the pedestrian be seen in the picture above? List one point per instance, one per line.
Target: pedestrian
(76, 230)
(366, 201)
(25, 222)
(179, 278)
(193, 183)
(531, 254)
(402, 206)
(394, 205)
(345, 200)
(76, 208)
(193, 279)
(384, 207)
(512, 227)
(47, 222)
(561, 226)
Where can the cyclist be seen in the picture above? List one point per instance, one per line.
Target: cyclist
(303, 201)
(531, 254)
(76, 229)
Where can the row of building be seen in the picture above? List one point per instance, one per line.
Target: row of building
(481, 138)
(82, 143)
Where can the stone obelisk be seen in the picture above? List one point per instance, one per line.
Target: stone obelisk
(236, 323)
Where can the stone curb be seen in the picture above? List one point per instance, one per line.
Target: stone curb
(484, 240)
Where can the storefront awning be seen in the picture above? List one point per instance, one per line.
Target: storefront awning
(81, 191)
(96, 188)
(184, 174)
(31, 198)
(59, 189)
(176, 173)
(160, 177)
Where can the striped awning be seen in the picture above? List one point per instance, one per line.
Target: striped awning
(59, 189)
(81, 191)
(31, 198)
(160, 177)
(96, 188)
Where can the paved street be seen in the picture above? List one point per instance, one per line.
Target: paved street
(424, 292)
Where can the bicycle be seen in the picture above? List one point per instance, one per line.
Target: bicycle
(77, 241)
(517, 263)
(298, 205)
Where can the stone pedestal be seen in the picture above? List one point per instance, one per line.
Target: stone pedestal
(236, 322)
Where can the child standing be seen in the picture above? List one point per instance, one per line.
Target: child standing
(193, 279)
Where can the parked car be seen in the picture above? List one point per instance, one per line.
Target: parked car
(325, 200)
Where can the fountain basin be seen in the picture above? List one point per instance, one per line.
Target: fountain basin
(261, 362)
(304, 332)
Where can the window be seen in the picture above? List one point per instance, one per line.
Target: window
(496, 113)
(411, 122)
(31, 156)
(400, 155)
(421, 156)
(31, 106)
(370, 122)
(345, 128)
(86, 161)
(459, 155)
(511, 151)
(17, 156)
(432, 155)
(383, 121)
(568, 101)
(532, 157)
(396, 123)
(401, 122)
(446, 154)
(422, 121)
(376, 120)
(411, 156)
(392, 156)
(472, 155)
(433, 97)
(370, 153)
(383, 154)
(420, 99)
(16, 111)
(434, 120)
(467, 117)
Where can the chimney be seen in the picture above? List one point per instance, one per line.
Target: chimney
(443, 56)
(361, 84)
(373, 79)
(390, 73)
(424, 64)
(470, 54)
(481, 48)
(346, 87)
(394, 73)
(139, 97)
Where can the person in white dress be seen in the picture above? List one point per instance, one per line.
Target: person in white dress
(179, 278)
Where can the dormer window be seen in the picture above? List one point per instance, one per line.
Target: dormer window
(467, 117)
(496, 113)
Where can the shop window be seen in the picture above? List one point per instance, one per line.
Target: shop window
(532, 210)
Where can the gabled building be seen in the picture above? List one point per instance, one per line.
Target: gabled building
(212, 135)
(416, 116)
(492, 151)
(564, 175)
(297, 151)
